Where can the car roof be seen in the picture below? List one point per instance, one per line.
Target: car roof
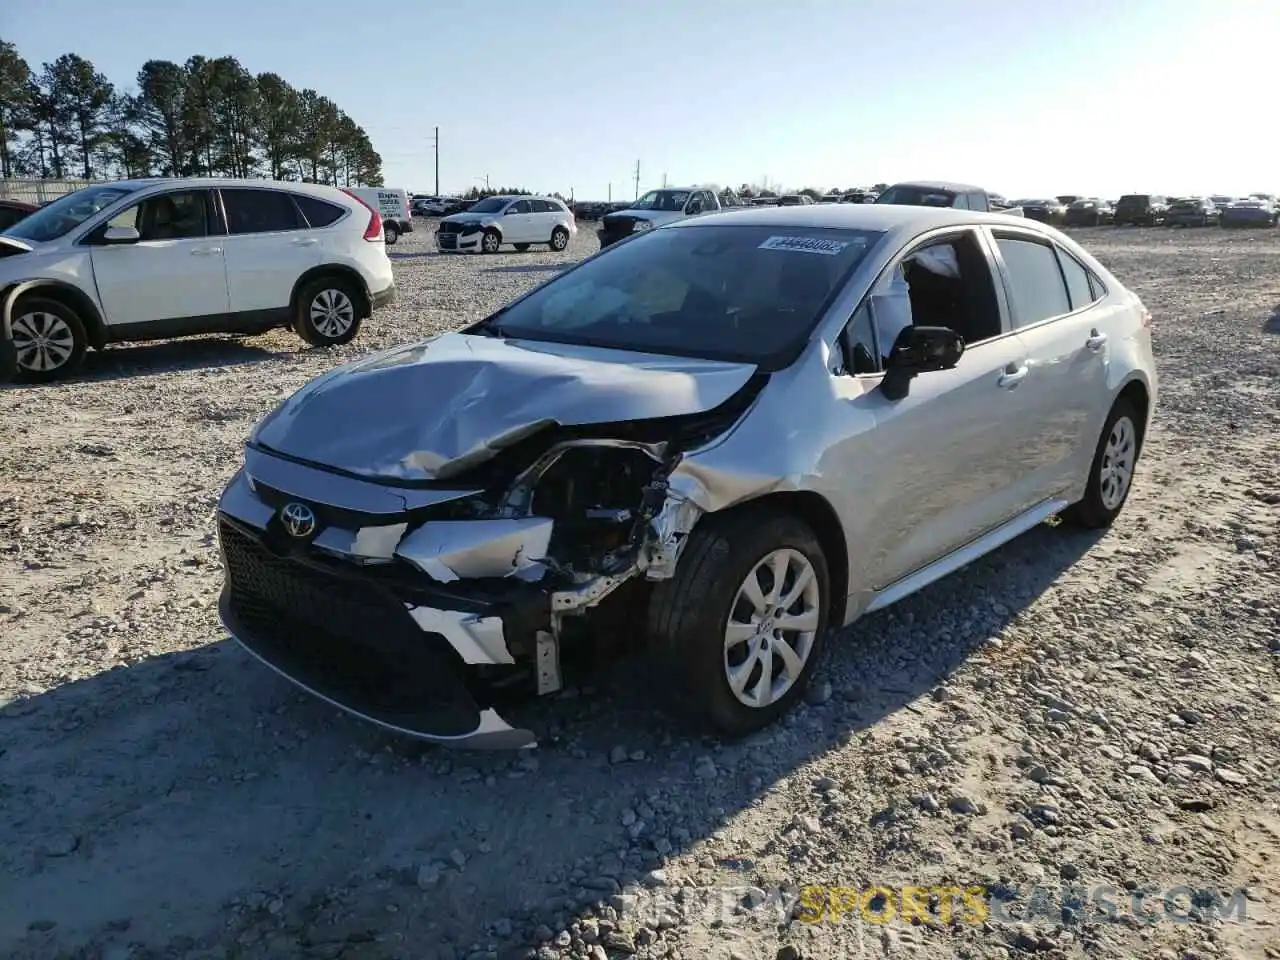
(854, 216)
(209, 183)
(940, 185)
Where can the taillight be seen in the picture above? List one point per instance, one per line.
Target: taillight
(373, 232)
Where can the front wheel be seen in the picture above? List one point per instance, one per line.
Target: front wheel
(1111, 473)
(327, 314)
(491, 241)
(740, 627)
(521, 247)
(559, 238)
(48, 340)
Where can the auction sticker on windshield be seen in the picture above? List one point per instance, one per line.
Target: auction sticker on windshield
(830, 248)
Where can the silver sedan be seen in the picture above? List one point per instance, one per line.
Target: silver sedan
(725, 438)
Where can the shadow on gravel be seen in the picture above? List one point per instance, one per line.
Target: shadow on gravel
(195, 795)
(529, 268)
(1272, 323)
(170, 356)
(414, 255)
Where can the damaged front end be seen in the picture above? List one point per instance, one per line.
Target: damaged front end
(423, 606)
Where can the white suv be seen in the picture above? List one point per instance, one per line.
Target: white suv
(167, 257)
(519, 221)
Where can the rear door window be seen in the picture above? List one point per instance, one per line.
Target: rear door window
(1036, 284)
(260, 211)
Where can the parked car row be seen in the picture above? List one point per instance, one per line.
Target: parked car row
(1149, 210)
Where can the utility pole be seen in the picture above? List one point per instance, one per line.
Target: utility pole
(611, 193)
(664, 181)
(637, 179)
(436, 144)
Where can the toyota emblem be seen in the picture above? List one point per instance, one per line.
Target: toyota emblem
(298, 519)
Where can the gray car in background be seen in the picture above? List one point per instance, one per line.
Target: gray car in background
(724, 437)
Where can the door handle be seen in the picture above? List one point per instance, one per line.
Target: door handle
(205, 251)
(1096, 340)
(304, 242)
(1012, 376)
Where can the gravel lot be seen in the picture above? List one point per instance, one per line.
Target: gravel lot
(1074, 708)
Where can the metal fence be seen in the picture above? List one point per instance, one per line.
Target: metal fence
(38, 191)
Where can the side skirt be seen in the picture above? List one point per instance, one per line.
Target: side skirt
(965, 555)
(248, 321)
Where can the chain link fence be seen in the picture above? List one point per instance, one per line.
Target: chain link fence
(38, 191)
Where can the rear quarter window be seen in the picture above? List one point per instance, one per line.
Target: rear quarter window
(319, 213)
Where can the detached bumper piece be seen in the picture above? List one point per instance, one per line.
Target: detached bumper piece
(353, 641)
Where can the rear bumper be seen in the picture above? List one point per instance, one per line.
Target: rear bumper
(383, 297)
(369, 645)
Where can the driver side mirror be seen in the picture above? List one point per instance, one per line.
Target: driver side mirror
(920, 350)
(121, 235)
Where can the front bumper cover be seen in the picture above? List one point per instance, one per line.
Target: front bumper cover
(367, 644)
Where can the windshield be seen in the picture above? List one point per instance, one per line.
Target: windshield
(1135, 198)
(668, 200)
(489, 205)
(66, 213)
(908, 195)
(741, 293)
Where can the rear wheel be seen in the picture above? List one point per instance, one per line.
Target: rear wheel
(1111, 474)
(559, 238)
(740, 627)
(48, 340)
(327, 312)
(390, 233)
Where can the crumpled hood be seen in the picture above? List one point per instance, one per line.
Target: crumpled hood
(431, 410)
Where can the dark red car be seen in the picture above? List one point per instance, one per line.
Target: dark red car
(11, 211)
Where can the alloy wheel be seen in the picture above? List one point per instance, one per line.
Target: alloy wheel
(43, 341)
(1116, 471)
(332, 313)
(771, 629)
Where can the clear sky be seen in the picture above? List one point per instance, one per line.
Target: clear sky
(1024, 97)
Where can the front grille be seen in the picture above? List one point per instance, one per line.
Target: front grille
(447, 228)
(616, 228)
(448, 241)
(285, 589)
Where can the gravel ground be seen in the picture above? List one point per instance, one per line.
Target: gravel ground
(1073, 709)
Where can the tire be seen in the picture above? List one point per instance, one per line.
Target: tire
(559, 239)
(390, 233)
(490, 242)
(49, 340)
(1101, 504)
(689, 617)
(521, 247)
(327, 313)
